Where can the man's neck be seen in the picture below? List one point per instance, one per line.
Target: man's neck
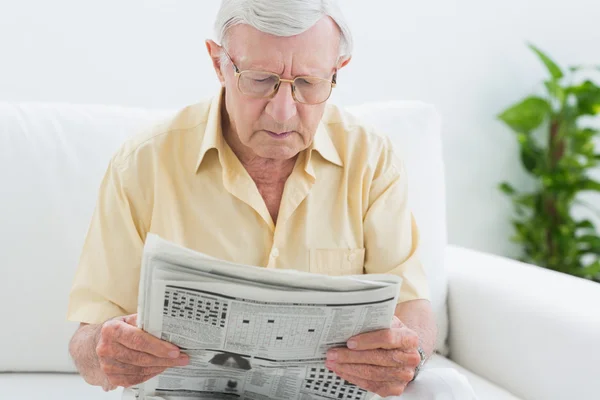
(269, 172)
(269, 175)
(264, 171)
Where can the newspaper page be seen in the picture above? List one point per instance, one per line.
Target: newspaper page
(253, 333)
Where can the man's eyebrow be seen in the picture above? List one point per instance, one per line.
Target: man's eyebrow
(261, 65)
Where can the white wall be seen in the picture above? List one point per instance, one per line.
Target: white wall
(468, 57)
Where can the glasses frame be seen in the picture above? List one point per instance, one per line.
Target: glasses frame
(238, 73)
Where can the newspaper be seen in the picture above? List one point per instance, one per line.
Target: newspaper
(253, 333)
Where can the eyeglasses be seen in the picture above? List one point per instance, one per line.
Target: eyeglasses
(261, 84)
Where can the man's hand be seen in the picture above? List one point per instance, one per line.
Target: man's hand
(382, 362)
(127, 355)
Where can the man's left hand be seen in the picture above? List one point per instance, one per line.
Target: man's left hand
(382, 362)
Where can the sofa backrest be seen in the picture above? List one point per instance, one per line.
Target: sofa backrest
(52, 158)
(415, 129)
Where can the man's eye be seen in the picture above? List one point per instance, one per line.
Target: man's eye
(306, 82)
(262, 78)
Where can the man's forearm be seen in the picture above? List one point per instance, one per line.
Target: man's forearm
(418, 316)
(83, 351)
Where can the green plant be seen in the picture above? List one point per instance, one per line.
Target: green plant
(558, 151)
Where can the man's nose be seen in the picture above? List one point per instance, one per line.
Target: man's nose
(282, 106)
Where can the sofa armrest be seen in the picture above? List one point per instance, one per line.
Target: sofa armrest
(532, 331)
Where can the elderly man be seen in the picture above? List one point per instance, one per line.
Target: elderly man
(264, 174)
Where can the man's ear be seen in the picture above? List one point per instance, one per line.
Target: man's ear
(214, 51)
(343, 61)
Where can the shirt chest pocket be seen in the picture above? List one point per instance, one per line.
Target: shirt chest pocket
(337, 261)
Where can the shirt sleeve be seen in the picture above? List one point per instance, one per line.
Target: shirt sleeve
(390, 231)
(107, 277)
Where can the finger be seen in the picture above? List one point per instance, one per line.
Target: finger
(383, 357)
(107, 386)
(136, 339)
(130, 319)
(383, 389)
(125, 355)
(396, 323)
(373, 372)
(394, 338)
(128, 380)
(114, 367)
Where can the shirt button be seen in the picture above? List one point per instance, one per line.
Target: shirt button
(351, 257)
(275, 252)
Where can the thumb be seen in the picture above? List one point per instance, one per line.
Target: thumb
(130, 319)
(396, 323)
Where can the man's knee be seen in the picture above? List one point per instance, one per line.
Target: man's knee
(439, 384)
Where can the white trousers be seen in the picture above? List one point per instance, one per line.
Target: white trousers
(431, 384)
(438, 384)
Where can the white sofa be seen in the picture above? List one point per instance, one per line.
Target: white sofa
(516, 331)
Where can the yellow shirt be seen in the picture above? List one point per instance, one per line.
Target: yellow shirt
(343, 211)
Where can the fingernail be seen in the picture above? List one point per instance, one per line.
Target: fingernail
(174, 354)
(330, 364)
(332, 355)
(351, 344)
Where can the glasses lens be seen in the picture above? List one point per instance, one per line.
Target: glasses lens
(312, 90)
(258, 84)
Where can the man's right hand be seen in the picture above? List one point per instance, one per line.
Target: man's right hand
(128, 356)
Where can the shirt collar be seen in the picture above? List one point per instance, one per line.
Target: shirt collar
(324, 146)
(213, 132)
(213, 138)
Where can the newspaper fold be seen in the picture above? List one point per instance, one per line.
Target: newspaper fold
(251, 332)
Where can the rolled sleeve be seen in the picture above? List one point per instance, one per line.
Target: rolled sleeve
(390, 231)
(107, 277)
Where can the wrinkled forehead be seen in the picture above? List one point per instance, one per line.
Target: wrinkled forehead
(313, 52)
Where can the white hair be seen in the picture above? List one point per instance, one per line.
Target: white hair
(282, 18)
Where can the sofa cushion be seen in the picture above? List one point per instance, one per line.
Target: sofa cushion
(483, 388)
(52, 158)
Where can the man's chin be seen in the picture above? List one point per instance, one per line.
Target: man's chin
(279, 153)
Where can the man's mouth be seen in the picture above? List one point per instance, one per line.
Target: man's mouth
(279, 135)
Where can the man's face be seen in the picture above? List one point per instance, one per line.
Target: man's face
(277, 127)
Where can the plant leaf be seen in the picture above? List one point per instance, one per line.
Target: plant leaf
(588, 184)
(532, 157)
(588, 97)
(576, 68)
(592, 269)
(592, 241)
(581, 137)
(526, 115)
(555, 90)
(585, 224)
(588, 251)
(529, 159)
(554, 70)
(507, 189)
(527, 200)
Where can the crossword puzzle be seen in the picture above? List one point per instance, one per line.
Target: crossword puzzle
(325, 383)
(193, 306)
(275, 332)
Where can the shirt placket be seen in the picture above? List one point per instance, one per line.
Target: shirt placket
(273, 256)
(296, 190)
